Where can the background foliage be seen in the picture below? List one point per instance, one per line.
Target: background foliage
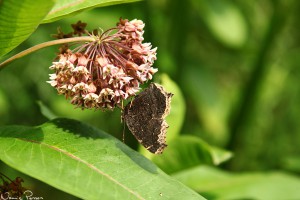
(233, 66)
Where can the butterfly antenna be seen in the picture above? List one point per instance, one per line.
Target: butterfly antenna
(131, 102)
(122, 121)
(123, 136)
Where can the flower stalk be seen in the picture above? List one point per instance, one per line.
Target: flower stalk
(44, 45)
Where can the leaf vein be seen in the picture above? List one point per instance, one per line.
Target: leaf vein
(87, 164)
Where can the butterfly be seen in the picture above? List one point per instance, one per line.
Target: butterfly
(145, 117)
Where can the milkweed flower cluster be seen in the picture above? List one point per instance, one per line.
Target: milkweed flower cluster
(102, 73)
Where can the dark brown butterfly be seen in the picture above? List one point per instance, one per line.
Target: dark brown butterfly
(145, 117)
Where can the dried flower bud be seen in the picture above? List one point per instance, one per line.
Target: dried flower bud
(79, 28)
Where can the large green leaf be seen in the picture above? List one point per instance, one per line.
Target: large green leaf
(18, 19)
(189, 151)
(86, 162)
(64, 8)
(217, 184)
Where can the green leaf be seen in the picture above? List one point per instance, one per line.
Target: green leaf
(46, 112)
(65, 8)
(217, 184)
(86, 162)
(189, 151)
(4, 105)
(224, 20)
(292, 163)
(177, 113)
(18, 19)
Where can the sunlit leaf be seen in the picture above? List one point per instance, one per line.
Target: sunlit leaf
(224, 20)
(177, 113)
(189, 151)
(217, 184)
(86, 162)
(65, 8)
(18, 19)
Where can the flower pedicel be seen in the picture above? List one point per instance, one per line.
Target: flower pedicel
(102, 73)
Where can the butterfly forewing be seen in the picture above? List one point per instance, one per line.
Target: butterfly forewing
(145, 117)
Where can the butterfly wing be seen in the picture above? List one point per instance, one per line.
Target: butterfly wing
(145, 115)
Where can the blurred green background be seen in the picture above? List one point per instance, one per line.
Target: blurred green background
(236, 63)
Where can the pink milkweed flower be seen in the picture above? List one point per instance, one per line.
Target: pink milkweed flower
(102, 73)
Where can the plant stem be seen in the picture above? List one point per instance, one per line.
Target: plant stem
(46, 44)
(178, 35)
(251, 91)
